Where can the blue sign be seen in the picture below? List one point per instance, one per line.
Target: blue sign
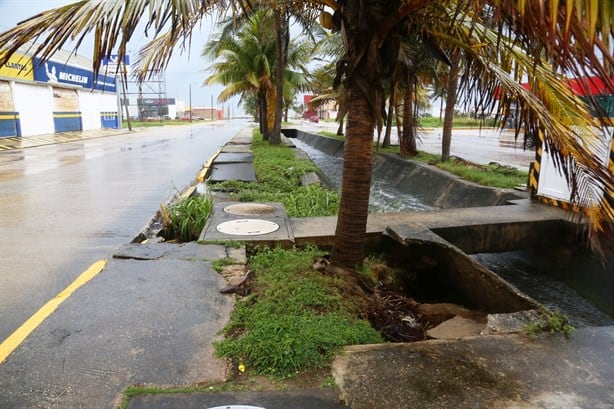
(58, 73)
(114, 60)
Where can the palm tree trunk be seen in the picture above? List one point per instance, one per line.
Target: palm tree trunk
(446, 138)
(280, 47)
(340, 128)
(386, 141)
(399, 123)
(348, 247)
(341, 113)
(408, 141)
(264, 117)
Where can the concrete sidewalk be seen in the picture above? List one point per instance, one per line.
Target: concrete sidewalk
(489, 372)
(150, 317)
(24, 142)
(485, 372)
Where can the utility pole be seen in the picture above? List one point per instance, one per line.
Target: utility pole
(190, 103)
(124, 81)
(212, 108)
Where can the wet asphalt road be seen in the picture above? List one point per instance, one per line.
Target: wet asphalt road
(65, 206)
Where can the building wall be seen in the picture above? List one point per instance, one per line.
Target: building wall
(41, 97)
(9, 119)
(35, 106)
(90, 112)
(97, 109)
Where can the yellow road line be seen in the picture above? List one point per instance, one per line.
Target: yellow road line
(203, 172)
(21, 333)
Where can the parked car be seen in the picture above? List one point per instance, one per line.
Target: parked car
(314, 119)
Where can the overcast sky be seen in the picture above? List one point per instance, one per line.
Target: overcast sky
(183, 70)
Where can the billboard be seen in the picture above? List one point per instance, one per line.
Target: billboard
(154, 107)
(18, 66)
(111, 63)
(58, 73)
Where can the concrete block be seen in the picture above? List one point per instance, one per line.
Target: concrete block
(331, 147)
(461, 193)
(308, 138)
(392, 168)
(233, 171)
(310, 178)
(234, 157)
(426, 183)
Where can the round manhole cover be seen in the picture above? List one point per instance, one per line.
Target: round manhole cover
(247, 209)
(237, 407)
(247, 227)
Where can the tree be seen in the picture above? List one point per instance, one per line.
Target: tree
(451, 92)
(567, 36)
(244, 60)
(245, 53)
(417, 66)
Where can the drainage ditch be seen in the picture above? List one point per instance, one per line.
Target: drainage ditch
(559, 286)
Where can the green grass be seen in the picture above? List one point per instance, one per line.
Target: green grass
(330, 134)
(219, 264)
(278, 172)
(185, 219)
(296, 321)
(487, 175)
(552, 322)
(138, 390)
(458, 122)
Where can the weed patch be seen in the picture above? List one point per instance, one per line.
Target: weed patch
(552, 322)
(185, 219)
(296, 319)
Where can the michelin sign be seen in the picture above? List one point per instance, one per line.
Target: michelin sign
(59, 73)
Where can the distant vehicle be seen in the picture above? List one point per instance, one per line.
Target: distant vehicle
(314, 119)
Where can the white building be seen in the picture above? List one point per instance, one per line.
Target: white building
(58, 95)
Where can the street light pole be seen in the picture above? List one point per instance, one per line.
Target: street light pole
(212, 108)
(190, 87)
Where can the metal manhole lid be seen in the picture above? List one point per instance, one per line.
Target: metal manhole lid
(236, 407)
(247, 227)
(246, 209)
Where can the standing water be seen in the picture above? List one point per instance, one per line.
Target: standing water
(520, 268)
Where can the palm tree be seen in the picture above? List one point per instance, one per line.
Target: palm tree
(245, 59)
(451, 94)
(371, 28)
(547, 37)
(418, 66)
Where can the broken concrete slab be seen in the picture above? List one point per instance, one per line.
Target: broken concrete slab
(486, 372)
(237, 148)
(178, 251)
(456, 327)
(232, 171)
(513, 322)
(478, 285)
(234, 157)
(241, 140)
(310, 178)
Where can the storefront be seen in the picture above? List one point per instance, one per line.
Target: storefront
(41, 97)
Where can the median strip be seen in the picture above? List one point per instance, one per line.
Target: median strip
(17, 337)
